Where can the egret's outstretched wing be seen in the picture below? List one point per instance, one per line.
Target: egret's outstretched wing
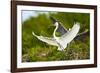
(71, 34)
(50, 41)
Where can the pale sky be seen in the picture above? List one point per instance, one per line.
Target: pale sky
(27, 14)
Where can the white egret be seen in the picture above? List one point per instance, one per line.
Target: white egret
(62, 30)
(62, 41)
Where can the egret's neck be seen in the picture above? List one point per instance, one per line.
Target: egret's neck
(55, 31)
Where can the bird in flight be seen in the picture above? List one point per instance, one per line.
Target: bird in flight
(66, 36)
(62, 30)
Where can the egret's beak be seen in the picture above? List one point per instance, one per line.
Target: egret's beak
(51, 26)
(53, 22)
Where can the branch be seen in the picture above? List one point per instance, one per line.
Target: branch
(82, 35)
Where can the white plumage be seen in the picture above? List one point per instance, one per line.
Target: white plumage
(62, 41)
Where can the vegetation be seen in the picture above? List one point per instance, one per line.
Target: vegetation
(35, 50)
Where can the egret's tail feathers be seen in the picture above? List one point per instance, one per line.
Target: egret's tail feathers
(60, 49)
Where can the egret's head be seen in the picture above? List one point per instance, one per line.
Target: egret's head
(56, 24)
(54, 21)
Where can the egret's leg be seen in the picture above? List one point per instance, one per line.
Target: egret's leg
(64, 52)
(67, 49)
(68, 45)
(61, 48)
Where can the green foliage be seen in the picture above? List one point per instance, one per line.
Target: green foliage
(34, 50)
